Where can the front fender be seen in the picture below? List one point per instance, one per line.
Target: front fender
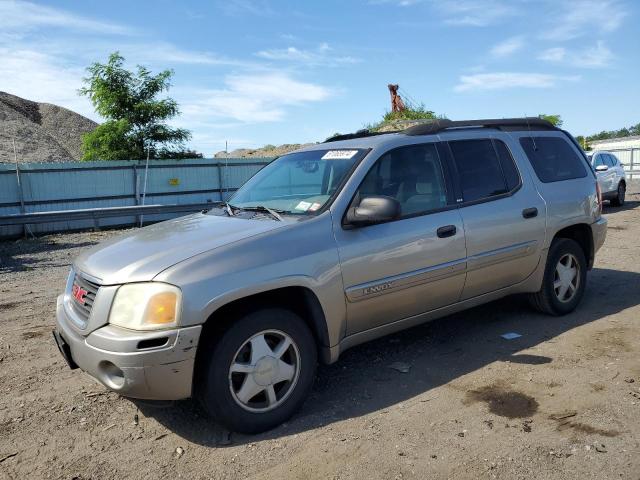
(301, 255)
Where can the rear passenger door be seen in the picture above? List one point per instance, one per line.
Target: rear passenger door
(503, 215)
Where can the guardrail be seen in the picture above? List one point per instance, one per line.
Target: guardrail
(97, 213)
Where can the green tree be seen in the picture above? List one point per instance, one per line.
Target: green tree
(135, 116)
(555, 120)
(583, 142)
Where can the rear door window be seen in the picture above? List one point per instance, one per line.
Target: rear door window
(509, 168)
(481, 172)
(553, 159)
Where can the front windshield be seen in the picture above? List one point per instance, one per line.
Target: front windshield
(298, 183)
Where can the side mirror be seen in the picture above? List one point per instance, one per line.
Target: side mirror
(602, 168)
(372, 210)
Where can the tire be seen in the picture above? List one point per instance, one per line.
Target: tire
(269, 383)
(618, 200)
(551, 299)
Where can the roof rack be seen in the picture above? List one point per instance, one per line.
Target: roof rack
(435, 126)
(508, 124)
(359, 134)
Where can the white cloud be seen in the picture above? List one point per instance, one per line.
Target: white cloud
(165, 52)
(254, 98)
(579, 17)
(475, 13)
(23, 16)
(504, 80)
(507, 47)
(399, 3)
(259, 8)
(322, 55)
(43, 78)
(555, 54)
(598, 56)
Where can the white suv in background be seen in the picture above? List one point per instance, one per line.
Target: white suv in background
(611, 176)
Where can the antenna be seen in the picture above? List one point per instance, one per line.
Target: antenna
(533, 140)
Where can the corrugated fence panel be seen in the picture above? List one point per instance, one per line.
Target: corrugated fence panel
(235, 176)
(79, 185)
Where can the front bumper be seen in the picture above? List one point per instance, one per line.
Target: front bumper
(150, 365)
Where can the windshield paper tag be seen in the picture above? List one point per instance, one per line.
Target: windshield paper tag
(339, 154)
(304, 206)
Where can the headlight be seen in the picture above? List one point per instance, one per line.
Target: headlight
(146, 306)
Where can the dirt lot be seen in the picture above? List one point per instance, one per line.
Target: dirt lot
(561, 401)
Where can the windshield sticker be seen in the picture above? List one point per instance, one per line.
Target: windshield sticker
(314, 207)
(304, 206)
(339, 154)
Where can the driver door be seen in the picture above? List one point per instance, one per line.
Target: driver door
(415, 263)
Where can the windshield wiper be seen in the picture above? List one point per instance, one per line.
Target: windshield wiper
(228, 209)
(259, 208)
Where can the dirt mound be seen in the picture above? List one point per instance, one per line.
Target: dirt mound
(43, 132)
(266, 151)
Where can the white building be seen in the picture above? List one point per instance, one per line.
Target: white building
(627, 149)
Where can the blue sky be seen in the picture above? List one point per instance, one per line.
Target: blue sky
(253, 72)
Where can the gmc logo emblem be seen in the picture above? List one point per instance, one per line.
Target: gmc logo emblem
(78, 293)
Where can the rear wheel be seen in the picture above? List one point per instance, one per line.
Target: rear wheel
(259, 372)
(564, 279)
(618, 200)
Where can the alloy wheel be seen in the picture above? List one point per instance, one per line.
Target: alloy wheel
(567, 278)
(264, 371)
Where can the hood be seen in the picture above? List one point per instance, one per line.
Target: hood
(142, 254)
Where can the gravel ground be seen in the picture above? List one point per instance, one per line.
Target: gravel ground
(561, 401)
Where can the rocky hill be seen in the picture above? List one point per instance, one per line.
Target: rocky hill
(43, 132)
(266, 151)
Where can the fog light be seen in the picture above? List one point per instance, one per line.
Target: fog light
(111, 375)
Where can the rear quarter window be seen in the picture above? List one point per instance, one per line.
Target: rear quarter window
(553, 159)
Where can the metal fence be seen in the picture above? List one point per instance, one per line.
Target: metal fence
(49, 187)
(630, 157)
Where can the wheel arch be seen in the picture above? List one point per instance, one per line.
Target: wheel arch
(299, 299)
(582, 234)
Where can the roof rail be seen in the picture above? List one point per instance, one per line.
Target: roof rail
(359, 134)
(526, 123)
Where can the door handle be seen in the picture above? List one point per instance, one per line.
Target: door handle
(446, 231)
(530, 212)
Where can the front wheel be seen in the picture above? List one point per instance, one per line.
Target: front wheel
(259, 372)
(565, 279)
(618, 200)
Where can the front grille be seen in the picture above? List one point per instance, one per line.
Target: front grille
(81, 284)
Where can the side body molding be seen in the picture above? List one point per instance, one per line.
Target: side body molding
(405, 280)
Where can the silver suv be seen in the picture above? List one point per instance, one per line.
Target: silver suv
(611, 176)
(326, 248)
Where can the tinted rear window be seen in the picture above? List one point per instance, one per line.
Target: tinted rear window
(553, 159)
(509, 168)
(479, 169)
